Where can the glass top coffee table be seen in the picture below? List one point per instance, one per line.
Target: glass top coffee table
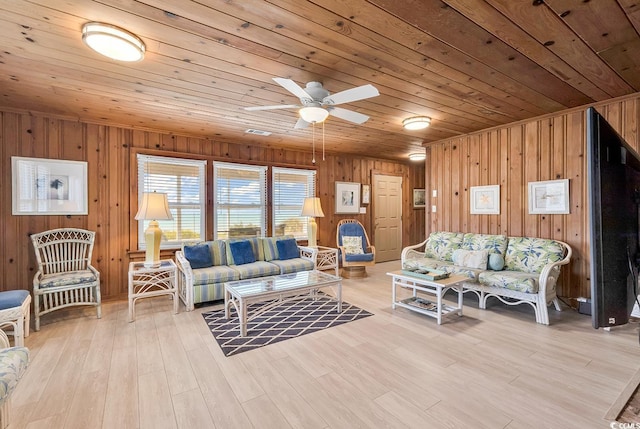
(299, 285)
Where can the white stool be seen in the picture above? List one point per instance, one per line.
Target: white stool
(15, 310)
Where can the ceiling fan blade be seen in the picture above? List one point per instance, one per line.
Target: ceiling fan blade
(278, 106)
(292, 87)
(353, 94)
(301, 124)
(348, 115)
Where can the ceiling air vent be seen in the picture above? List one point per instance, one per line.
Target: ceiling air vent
(258, 132)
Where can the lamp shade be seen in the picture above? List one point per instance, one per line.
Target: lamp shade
(312, 207)
(313, 114)
(155, 206)
(416, 122)
(112, 41)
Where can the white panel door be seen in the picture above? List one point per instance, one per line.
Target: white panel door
(387, 207)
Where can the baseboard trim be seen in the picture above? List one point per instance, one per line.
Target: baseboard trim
(619, 404)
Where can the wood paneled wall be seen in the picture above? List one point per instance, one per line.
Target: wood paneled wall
(111, 189)
(547, 148)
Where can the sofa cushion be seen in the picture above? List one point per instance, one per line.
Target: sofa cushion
(352, 245)
(256, 245)
(530, 255)
(218, 250)
(492, 243)
(242, 252)
(198, 255)
(270, 248)
(351, 230)
(496, 262)
(212, 275)
(79, 278)
(13, 364)
(256, 269)
(513, 280)
(287, 249)
(441, 245)
(359, 257)
(294, 265)
(447, 267)
(471, 258)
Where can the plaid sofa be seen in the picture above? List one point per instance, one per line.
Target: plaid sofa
(205, 284)
(515, 270)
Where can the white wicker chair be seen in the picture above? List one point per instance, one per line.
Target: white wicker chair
(65, 275)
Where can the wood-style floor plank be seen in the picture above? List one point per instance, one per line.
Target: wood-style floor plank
(492, 368)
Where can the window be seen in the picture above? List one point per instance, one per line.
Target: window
(240, 200)
(183, 180)
(290, 188)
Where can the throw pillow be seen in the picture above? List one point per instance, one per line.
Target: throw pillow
(287, 249)
(496, 262)
(471, 258)
(198, 255)
(352, 245)
(242, 252)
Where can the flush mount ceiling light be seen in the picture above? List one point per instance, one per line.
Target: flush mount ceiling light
(112, 41)
(417, 156)
(416, 122)
(313, 114)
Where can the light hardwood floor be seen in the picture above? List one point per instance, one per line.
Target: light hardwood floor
(492, 368)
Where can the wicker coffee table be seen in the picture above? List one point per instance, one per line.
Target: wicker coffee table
(241, 293)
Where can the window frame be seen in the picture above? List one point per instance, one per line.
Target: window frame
(310, 191)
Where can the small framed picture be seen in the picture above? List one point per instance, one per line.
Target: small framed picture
(419, 198)
(549, 197)
(485, 199)
(347, 197)
(366, 194)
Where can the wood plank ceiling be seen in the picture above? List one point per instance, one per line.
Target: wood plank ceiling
(468, 64)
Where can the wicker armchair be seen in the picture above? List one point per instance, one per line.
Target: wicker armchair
(13, 364)
(65, 275)
(356, 252)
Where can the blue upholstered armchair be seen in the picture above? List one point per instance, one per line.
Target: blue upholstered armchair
(356, 252)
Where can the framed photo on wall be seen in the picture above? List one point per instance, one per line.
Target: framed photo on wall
(347, 197)
(485, 199)
(419, 198)
(366, 194)
(48, 187)
(549, 197)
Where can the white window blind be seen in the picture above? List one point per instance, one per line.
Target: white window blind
(183, 180)
(290, 188)
(240, 195)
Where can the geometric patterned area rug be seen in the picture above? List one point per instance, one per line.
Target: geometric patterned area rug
(285, 320)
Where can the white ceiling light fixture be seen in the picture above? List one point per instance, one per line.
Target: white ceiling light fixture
(313, 114)
(113, 42)
(417, 156)
(416, 123)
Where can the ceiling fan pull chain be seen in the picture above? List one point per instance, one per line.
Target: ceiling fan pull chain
(313, 142)
(323, 141)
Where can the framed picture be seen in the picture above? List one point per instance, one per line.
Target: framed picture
(549, 197)
(419, 198)
(485, 199)
(347, 197)
(366, 194)
(48, 186)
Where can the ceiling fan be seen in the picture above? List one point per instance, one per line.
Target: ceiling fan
(316, 103)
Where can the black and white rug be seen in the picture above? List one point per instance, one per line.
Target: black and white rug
(285, 320)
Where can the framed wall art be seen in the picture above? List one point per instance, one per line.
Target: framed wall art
(366, 194)
(347, 197)
(48, 187)
(419, 198)
(549, 197)
(485, 199)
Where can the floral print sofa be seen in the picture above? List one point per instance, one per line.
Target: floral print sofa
(515, 270)
(202, 280)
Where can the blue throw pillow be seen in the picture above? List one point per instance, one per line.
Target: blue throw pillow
(288, 249)
(198, 255)
(242, 252)
(496, 262)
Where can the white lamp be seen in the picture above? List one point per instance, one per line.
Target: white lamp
(313, 114)
(312, 209)
(416, 123)
(154, 206)
(112, 41)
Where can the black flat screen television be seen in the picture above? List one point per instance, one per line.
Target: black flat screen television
(614, 195)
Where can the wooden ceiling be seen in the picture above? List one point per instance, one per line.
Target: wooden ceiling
(468, 64)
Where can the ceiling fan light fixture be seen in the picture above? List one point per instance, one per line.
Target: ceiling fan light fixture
(313, 114)
(113, 42)
(416, 123)
(417, 156)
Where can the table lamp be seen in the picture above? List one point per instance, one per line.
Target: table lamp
(312, 209)
(154, 207)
